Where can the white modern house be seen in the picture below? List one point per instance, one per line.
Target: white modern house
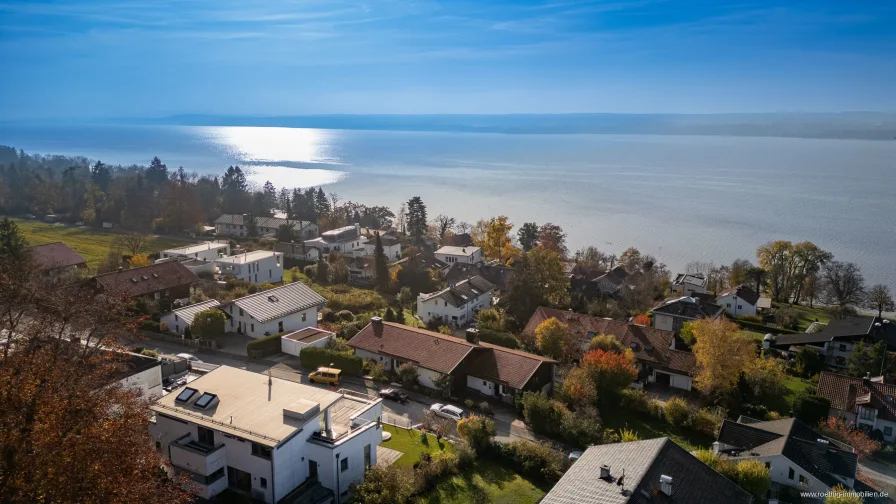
(141, 372)
(738, 301)
(456, 304)
(686, 284)
(258, 266)
(265, 437)
(343, 240)
(466, 255)
(391, 247)
(178, 320)
(208, 251)
(287, 308)
(235, 225)
(294, 342)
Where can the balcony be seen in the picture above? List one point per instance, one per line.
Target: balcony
(189, 454)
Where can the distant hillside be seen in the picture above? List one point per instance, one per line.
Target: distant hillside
(855, 125)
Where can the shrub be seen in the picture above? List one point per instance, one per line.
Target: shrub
(707, 457)
(469, 404)
(478, 431)
(542, 414)
(708, 420)
(753, 319)
(150, 325)
(209, 324)
(809, 362)
(338, 345)
(787, 317)
(578, 388)
(635, 400)
(267, 345)
(384, 485)
(149, 353)
(356, 301)
(810, 409)
(535, 459)
(753, 476)
(407, 374)
(443, 384)
(351, 329)
(447, 331)
(677, 411)
(840, 495)
(377, 371)
(485, 407)
(327, 315)
(607, 343)
(315, 357)
(465, 454)
(491, 319)
(310, 271)
(432, 468)
(503, 339)
(346, 315)
(582, 427)
(655, 409)
(628, 435)
(206, 275)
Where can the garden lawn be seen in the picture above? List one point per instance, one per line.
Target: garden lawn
(92, 244)
(647, 427)
(809, 315)
(485, 481)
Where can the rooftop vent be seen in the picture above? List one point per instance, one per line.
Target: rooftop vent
(155, 275)
(472, 335)
(666, 484)
(144, 277)
(134, 279)
(302, 409)
(272, 298)
(604, 471)
(648, 347)
(376, 320)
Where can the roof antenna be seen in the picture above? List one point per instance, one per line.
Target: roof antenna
(270, 384)
(621, 481)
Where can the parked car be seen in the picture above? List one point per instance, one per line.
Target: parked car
(189, 357)
(395, 395)
(447, 411)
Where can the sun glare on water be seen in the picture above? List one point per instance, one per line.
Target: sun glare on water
(280, 155)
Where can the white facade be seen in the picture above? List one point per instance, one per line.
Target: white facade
(178, 320)
(392, 252)
(426, 377)
(148, 382)
(676, 380)
(869, 419)
(243, 323)
(208, 251)
(736, 306)
(663, 321)
(294, 343)
(438, 308)
(257, 267)
(464, 255)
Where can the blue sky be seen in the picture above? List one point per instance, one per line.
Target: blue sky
(95, 58)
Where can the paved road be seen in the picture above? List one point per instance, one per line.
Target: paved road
(881, 473)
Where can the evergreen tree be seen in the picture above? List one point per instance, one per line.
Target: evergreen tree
(321, 203)
(323, 270)
(101, 176)
(380, 265)
(157, 173)
(416, 219)
(528, 235)
(235, 197)
(12, 245)
(251, 226)
(270, 196)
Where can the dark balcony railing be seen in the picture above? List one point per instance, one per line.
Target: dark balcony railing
(187, 443)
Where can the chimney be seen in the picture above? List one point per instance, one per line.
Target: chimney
(604, 472)
(120, 269)
(376, 320)
(472, 335)
(666, 484)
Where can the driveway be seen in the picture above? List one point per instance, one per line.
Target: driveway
(883, 474)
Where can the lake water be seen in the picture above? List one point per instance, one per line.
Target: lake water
(680, 198)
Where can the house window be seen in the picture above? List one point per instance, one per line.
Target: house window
(888, 431)
(280, 326)
(768, 465)
(175, 317)
(740, 307)
(304, 317)
(842, 347)
(261, 451)
(263, 482)
(253, 327)
(366, 456)
(804, 480)
(790, 474)
(727, 305)
(241, 312)
(866, 413)
(343, 465)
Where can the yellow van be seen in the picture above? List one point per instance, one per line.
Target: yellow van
(325, 375)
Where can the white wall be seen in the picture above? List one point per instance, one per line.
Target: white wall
(675, 380)
(662, 321)
(265, 269)
(149, 382)
(427, 377)
(878, 424)
(292, 322)
(463, 259)
(736, 306)
(393, 252)
(686, 289)
(780, 469)
(291, 460)
(174, 326)
(208, 254)
(439, 309)
(482, 386)
(293, 347)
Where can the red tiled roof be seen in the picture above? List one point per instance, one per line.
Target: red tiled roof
(843, 391)
(55, 255)
(146, 279)
(443, 354)
(584, 327)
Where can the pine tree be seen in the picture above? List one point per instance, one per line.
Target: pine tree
(416, 218)
(380, 265)
(321, 203)
(12, 245)
(251, 226)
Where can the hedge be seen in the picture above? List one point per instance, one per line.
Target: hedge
(763, 328)
(264, 346)
(503, 339)
(810, 409)
(315, 357)
(151, 325)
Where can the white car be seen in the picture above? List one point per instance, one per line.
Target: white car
(189, 357)
(447, 411)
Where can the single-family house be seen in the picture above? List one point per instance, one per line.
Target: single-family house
(287, 308)
(235, 225)
(451, 254)
(488, 369)
(56, 257)
(796, 455)
(656, 357)
(170, 279)
(686, 284)
(294, 342)
(208, 251)
(457, 304)
(671, 314)
(178, 320)
(643, 472)
(458, 240)
(738, 301)
(496, 273)
(258, 266)
(868, 403)
(267, 437)
(837, 340)
(343, 240)
(391, 247)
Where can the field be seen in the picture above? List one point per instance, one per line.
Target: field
(485, 481)
(93, 244)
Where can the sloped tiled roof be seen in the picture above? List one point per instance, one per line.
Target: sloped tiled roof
(692, 279)
(503, 365)
(274, 303)
(462, 292)
(55, 255)
(796, 441)
(584, 327)
(842, 391)
(742, 292)
(686, 307)
(188, 312)
(498, 274)
(644, 462)
(849, 329)
(146, 279)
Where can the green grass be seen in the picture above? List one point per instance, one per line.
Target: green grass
(752, 334)
(808, 315)
(485, 481)
(647, 427)
(92, 244)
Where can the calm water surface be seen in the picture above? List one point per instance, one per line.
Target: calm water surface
(680, 198)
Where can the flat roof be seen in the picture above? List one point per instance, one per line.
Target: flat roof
(246, 257)
(247, 407)
(199, 247)
(309, 335)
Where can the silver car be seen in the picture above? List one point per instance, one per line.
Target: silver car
(447, 411)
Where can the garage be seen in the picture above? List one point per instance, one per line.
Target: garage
(663, 379)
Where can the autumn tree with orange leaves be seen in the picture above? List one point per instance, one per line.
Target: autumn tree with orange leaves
(842, 431)
(68, 431)
(611, 371)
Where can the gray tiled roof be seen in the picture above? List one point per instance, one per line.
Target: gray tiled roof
(188, 312)
(266, 222)
(274, 303)
(463, 292)
(643, 462)
(690, 308)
